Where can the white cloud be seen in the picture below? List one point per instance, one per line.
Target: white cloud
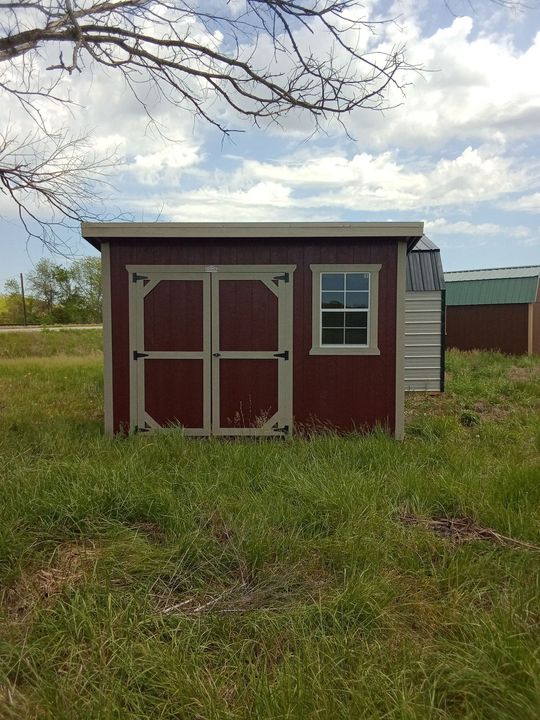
(383, 183)
(464, 227)
(527, 203)
(164, 164)
(470, 88)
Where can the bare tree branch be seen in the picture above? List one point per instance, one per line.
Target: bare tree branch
(269, 57)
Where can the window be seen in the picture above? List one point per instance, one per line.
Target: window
(345, 299)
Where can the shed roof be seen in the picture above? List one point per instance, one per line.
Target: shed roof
(96, 233)
(424, 267)
(496, 286)
(426, 244)
(493, 273)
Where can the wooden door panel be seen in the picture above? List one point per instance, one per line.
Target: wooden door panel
(248, 316)
(173, 316)
(174, 392)
(248, 392)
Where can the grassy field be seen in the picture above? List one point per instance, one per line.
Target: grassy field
(48, 343)
(158, 577)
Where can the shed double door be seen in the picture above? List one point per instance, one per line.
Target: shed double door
(211, 349)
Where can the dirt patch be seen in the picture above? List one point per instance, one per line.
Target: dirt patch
(151, 530)
(523, 374)
(274, 588)
(463, 529)
(490, 412)
(69, 566)
(425, 405)
(219, 529)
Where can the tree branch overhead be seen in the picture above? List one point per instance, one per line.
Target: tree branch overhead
(257, 60)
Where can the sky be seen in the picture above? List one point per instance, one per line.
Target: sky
(460, 149)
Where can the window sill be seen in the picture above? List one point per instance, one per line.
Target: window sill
(344, 351)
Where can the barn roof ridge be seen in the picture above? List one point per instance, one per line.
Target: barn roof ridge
(482, 273)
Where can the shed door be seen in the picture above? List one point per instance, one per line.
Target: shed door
(251, 354)
(170, 378)
(211, 351)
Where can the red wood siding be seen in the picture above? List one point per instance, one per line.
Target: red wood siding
(248, 392)
(174, 392)
(248, 316)
(345, 392)
(488, 327)
(173, 316)
(536, 329)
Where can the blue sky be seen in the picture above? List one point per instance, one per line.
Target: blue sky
(461, 151)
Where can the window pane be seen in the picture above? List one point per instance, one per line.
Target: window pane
(357, 300)
(354, 319)
(332, 337)
(357, 281)
(334, 319)
(333, 281)
(333, 299)
(356, 337)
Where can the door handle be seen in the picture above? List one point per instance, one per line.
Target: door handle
(216, 354)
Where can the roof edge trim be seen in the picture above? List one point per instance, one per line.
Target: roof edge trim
(98, 231)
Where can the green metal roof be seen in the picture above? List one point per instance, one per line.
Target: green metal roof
(496, 291)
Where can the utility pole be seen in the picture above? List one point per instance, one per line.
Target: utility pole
(23, 299)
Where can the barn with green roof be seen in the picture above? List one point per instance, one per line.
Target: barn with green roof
(496, 309)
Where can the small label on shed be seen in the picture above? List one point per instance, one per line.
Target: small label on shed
(211, 268)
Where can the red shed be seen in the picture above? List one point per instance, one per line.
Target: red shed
(253, 329)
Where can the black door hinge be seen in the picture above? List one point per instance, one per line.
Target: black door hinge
(284, 277)
(146, 428)
(284, 429)
(136, 277)
(137, 355)
(284, 355)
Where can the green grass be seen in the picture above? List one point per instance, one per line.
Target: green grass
(47, 343)
(160, 577)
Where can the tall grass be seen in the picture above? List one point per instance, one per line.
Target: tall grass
(47, 343)
(162, 577)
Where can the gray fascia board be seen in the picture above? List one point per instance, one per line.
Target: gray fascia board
(410, 231)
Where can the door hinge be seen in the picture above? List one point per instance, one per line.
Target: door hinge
(284, 429)
(284, 277)
(137, 355)
(136, 277)
(284, 355)
(146, 428)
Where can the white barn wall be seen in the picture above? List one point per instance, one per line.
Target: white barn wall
(423, 326)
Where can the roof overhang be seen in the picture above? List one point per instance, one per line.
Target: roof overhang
(96, 233)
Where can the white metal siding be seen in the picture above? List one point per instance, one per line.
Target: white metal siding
(423, 341)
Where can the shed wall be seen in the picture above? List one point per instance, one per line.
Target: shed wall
(347, 392)
(423, 335)
(488, 327)
(536, 324)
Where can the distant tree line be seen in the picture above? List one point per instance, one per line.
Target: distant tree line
(55, 294)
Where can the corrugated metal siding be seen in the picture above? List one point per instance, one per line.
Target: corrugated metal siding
(502, 291)
(424, 267)
(424, 271)
(423, 320)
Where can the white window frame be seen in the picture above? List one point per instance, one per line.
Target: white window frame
(371, 348)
